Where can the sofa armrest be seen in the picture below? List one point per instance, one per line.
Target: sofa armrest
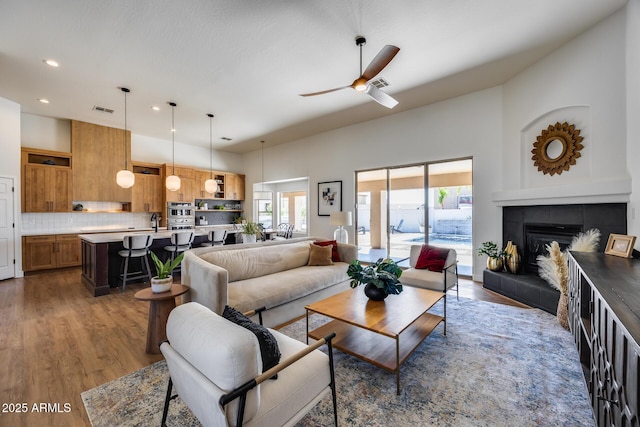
(208, 282)
(347, 252)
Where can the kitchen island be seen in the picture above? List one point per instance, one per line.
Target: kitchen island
(101, 263)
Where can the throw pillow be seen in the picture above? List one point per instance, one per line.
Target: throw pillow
(335, 256)
(319, 255)
(432, 258)
(269, 350)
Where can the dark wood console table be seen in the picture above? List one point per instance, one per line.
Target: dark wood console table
(604, 317)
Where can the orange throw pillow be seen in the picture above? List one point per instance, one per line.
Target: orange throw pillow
(319, 255)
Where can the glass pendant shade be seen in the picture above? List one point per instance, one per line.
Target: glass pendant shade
(125, 178)
(173, 183)
(211, 186)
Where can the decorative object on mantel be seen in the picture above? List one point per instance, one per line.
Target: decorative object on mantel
(620, 245)
(173, 182)
(557, 148)
(380, 278)
(125, 178)
(511, 258)
(495, 255)
(210, 185)
(163, 281)
(554, 267)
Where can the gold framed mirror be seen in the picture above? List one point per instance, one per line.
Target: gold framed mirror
(557, 148)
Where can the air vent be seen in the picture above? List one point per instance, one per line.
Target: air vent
(102, 109)
(224, 138)
(379, 83)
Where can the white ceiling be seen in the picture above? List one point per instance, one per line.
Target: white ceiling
(247, 61)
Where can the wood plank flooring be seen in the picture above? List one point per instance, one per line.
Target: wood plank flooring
(57, 341)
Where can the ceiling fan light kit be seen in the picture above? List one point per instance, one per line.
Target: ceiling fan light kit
(362, 84)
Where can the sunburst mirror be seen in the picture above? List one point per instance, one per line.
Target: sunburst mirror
(557, 148)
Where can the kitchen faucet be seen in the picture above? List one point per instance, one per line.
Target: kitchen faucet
(154, 218)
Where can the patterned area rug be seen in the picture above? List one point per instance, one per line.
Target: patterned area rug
(497, 366)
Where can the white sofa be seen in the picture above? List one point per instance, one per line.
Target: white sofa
(272, 274)
(214, 363)
(427, 279)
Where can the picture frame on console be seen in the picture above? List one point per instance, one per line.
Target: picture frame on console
(329, 197)
(620, 245)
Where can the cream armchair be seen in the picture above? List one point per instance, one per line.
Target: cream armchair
(216, 368)
(427, 279)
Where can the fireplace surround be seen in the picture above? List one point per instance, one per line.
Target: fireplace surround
(532, 227)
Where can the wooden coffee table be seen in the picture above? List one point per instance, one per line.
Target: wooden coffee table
(383, 333)
(160, 305)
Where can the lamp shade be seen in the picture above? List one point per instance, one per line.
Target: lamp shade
(173, 183)
(342, 218)
(125, 178)
(211, 186)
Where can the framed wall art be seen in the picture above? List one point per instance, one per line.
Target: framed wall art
(620, 245)
(329, 197)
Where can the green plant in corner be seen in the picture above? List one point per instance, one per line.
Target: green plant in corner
(384, 274)
(165, 269)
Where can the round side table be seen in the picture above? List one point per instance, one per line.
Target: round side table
(160, 305)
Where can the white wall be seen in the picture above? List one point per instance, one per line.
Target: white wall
(633, 113)
(10, 166)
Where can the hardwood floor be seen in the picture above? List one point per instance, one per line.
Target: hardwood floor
(57, 341)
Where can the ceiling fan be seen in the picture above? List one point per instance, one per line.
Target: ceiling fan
(361, 84)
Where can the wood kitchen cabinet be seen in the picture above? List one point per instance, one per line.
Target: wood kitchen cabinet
(185, 193)
(148, 189)
(50, 251)
(47, 181)
(99, 153)
(234, 186)
(201, 177)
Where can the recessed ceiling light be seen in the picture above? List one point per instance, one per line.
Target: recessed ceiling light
(155, 108)
(51, 62)
(43, 100)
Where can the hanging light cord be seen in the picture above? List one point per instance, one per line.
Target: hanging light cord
(210, 146)
(125, 91)
(173, 140)
(262, 185)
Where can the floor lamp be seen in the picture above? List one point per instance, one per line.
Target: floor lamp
(341, 219)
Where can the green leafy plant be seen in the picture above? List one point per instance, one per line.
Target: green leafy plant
(250, 227)
(165, 269)
(383, 273)
(491, 250)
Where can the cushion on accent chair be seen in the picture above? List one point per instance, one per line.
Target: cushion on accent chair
(335, 256)
(268, 344)
(320, 255)
(432, 258)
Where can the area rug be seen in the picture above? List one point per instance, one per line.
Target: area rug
(497, 366)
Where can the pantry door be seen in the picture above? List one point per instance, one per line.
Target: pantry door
(7, 230)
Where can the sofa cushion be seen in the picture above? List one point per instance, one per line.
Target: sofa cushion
(276, 289)
(319, 255)
(269, 351)
(432, 258)
(335, 256)
(248, 263)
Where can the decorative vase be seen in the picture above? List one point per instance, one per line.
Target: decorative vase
(512, 263)
(563, 311)
(161, 285)
(495, 264)
(374, 293)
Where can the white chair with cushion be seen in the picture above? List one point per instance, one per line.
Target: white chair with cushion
(180, 242)
(217, 237)
(216, 367)
(135, 246)
(285, 231)
(432, 268)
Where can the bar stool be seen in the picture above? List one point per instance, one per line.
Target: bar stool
(180, 242)
(217, 237)
(135, 246)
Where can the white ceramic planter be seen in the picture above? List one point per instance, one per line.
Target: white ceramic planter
(161, 285)
(248, 238)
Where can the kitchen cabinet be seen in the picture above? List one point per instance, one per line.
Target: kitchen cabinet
(202, 176)
(50, 251)
(148, 189)
(185, 193)
(234, 186)
(47, 181)
(99, 152)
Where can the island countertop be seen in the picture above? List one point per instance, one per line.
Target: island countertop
(113, 237)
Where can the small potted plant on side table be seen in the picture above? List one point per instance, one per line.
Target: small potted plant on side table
(495, 260)
(163, 281)
(380, 278)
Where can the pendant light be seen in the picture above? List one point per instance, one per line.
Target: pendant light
(173, 181)
(210, 185)
(125, 178)
(262, 195)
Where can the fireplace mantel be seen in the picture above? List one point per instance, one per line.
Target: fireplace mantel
(611, 191)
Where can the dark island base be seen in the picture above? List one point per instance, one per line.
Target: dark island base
(528, 289)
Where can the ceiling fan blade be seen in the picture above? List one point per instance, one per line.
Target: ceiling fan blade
(380, 97)
(381, 60)
(324, 91)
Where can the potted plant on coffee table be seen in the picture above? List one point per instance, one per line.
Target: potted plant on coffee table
(495, 260)
(163, 281)
(380, 278)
